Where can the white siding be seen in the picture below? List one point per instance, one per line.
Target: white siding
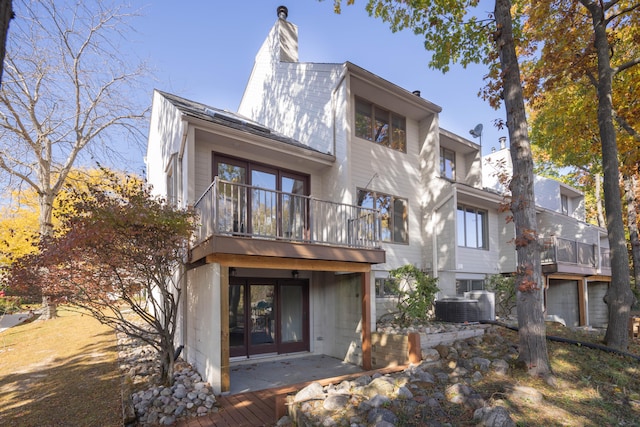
(551, 223)
(507, 256)
(482, 260)
(547, 193)
(446, 245)
(165, 136)
(294, 99)
(392, 172)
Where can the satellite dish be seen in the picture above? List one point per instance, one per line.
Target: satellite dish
(476, 131)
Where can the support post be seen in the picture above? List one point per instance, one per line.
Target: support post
(225, 370)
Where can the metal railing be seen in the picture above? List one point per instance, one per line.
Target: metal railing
(557, 249)
(228, 208)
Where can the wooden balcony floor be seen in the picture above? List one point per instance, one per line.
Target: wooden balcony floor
(262, 407)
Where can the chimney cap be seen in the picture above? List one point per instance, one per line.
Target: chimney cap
(283, 12)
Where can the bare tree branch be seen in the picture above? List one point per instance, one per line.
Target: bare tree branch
(66, 80)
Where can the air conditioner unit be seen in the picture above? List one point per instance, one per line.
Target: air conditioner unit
(486, 303)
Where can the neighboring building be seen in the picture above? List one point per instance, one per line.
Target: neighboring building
(575, 257)
(326, 178)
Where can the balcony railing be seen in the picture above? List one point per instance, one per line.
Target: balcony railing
(558, 250)
(229, 208)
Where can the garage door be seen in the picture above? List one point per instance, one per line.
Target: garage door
(562, 301)
(598, 311)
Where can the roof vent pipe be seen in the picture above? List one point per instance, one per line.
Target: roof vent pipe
(503, 142)
(416, 92)
(283, 12)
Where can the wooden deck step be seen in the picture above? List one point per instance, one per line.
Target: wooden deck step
(264, 407)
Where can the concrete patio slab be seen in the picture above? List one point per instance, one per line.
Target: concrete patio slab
(271, 373)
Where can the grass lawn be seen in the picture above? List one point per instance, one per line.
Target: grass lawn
(594, 388)
(62, 372)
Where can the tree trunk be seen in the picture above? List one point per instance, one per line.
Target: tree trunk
(598, 195)
(619, 297)
(630, 188)
(167, 363)
(529, 289)
(49, 307)
(6, 14)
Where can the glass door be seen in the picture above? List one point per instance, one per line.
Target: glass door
(232, 199)
(268, 316)
(262, 319)
(264, 203)
(294, 317)
(237, 320)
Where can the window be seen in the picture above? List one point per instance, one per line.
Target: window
(564, 201)
(393, 214)
(381, 126)
(466, 285)
(472, 227)
(447, 163)
(172, 181)
(387, 287)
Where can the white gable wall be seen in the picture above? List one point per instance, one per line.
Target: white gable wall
(166, 130)
(547, 193)
(294, 99)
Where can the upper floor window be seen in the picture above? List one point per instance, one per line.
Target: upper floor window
(172, 181)
(378, 125)
(447, 163)
(472, 227)
(394, 214)
(564, 202)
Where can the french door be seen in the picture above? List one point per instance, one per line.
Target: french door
(268, 316)
(273, 205)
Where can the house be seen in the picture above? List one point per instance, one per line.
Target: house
(326, 178)
(575, 256)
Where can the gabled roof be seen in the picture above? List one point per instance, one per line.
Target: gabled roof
(229, 119)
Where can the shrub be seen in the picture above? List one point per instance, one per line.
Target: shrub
(417, 292)
(9, 305)
(505, 290)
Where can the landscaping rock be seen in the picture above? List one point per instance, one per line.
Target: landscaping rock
(493, 417)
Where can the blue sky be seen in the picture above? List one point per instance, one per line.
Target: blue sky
(204, 51)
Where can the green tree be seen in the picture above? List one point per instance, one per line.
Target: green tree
(19, 226)
(119, 250)
(588, 59)
(454, 33)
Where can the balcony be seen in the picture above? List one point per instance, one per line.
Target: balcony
(569, 256)
(240, 219)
